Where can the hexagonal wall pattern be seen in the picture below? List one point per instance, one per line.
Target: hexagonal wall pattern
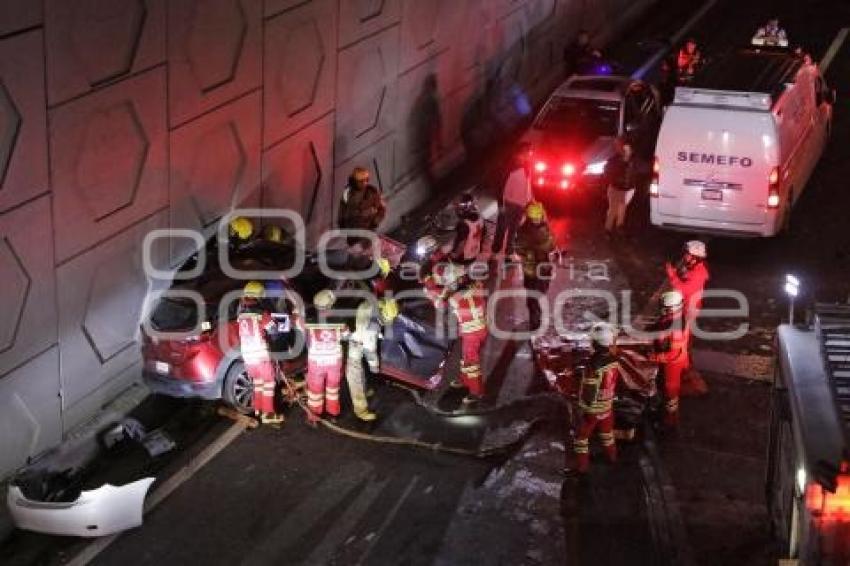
(110, 319)
(108, 154)
(215, 166)
(300, 68)
(94, 42)
(225, 170)
(101, 293)
(366, 107)
(27, 283)
(105, 36)
(19, 14)
(10, 126)
(112, 158)
(14, 288)
(419, 30)
(23, 122)
(214, 54)
(360, 18)
(304, 56)
(30, 410)
(214, 63)
(297, 175)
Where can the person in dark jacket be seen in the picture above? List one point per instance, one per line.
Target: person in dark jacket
(580, 55)
(361, 207)
(621, 174)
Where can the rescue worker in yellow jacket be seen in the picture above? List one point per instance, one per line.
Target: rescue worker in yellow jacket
(363, 343)
(535, 245)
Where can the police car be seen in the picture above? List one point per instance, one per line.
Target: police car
(575, 132)
(736, 149)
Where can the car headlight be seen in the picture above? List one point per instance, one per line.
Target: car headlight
(596, 168)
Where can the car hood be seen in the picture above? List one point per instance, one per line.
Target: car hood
(587, 149)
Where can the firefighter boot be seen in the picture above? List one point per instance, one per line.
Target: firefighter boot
(609, 446)
(365, 415)
(581, 447)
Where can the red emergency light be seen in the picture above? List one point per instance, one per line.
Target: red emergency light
(773, 188)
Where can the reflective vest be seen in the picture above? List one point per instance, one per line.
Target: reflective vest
(596, 395)
(324, 342)
(470, 308)
(252, 335)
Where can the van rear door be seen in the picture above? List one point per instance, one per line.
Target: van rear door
(715, 163)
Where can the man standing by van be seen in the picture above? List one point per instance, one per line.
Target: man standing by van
(515, 196)
(621, 174)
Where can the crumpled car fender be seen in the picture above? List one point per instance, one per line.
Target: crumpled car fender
(103, 511)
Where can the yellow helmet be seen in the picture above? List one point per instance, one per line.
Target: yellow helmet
(273, 233)
(254, 289)
(241, 228)
(384, 266)
(388, 309)
(535, 211)
(324, 299)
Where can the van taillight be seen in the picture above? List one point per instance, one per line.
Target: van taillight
(653, 185)
(773, 188)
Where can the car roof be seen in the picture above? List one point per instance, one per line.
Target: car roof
(595, 87)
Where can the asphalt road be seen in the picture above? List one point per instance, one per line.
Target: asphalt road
(306, 496)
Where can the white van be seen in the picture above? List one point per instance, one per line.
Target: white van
(736, 148)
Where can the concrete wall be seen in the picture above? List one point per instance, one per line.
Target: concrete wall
(121, 116)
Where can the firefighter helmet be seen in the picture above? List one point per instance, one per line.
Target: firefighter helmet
(672, 302)
(602, 334)
(535, 211)
(384, 266)
(388, 309)
(696, 248)
(254, 289)
(360, 175)
(426, 245)
(273, 233)
(324, 299)
(241, 228)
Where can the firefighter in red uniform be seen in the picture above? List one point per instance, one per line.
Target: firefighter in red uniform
(324, 358)
(447, 284)
(469, 232)
(596, 398)
(255, 322)
(671, 351)
(689, 276)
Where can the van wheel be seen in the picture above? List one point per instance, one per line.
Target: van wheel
(238, 388)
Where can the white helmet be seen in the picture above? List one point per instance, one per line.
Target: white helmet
(324, 299)
(603, 334)
(426, 245)
(696, 248)
(672, 301)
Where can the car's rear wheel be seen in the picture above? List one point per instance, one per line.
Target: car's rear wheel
(238, 388)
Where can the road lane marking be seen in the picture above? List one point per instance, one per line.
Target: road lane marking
(314, 508)
(343, 525)
(674, 39)
(836, 44)
(92, 550)
(389, 518)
